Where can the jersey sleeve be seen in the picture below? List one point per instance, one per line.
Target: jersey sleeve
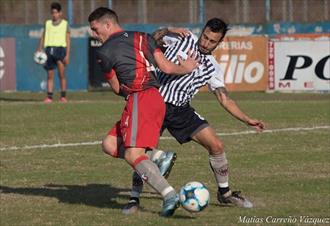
(152, 47)
(103, 60)
(217, 80)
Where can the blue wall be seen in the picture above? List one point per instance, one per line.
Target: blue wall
(30, 76)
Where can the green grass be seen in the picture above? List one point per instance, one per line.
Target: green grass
(285, 173)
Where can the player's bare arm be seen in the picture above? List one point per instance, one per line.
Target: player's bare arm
(66, 60)
(183, 32)
(159, 34)
(116, 87)
(114, 83)
(41, 42)
(185, 66)
(230, 105)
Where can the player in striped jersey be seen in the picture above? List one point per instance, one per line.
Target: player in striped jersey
(181, 120)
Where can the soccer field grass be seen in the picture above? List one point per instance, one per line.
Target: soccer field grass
(53, 171)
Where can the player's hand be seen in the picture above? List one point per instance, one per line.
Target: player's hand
(66, 60)
(191, 63)
(183, 32)
(258, 125)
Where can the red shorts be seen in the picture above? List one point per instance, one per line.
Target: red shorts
(141, 120)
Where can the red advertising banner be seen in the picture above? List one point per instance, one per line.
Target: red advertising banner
(7, 64)
(244, 61)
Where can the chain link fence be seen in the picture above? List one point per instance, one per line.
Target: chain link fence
(171, 11)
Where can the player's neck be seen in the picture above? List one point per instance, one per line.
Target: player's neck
(56, 22)
(116, 29)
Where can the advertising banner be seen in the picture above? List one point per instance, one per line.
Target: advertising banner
(7, 64)
(244, 61)
(290, 37)
(300, 65)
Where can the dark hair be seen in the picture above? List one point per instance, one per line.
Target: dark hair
(56, 5)
(103, 12)
(217, 25)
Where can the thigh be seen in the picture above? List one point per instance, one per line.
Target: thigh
(112, 142)
(59, 53)
(142, 119)
(208, 139)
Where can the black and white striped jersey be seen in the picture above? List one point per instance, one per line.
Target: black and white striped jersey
(179, 90)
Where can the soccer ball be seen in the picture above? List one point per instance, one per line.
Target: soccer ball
(40, 57)
(194, 196)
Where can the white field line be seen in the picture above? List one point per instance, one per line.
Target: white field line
(43, 146)
(119, 101)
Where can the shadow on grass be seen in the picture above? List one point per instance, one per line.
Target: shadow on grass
(15, 99)
(97, 195)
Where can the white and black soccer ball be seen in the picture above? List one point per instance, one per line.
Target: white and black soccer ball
(194, 196)
(40, 57)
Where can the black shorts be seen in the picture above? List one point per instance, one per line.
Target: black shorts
(183, 122)
(54, 54)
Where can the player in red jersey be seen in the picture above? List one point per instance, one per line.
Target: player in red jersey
(128, 58)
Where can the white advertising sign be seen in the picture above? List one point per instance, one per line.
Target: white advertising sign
(301, 65)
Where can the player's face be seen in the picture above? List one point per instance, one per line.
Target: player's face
(56, 15)
(208, 41)
(100, 30)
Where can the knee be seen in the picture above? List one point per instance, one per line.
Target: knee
(216, 148)
(109, 148)
(61, 76)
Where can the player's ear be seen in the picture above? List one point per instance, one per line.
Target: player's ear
(108, 24)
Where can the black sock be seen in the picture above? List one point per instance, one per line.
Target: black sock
(137, 200)
(223, 190)
(63, 93)
(50, 95)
